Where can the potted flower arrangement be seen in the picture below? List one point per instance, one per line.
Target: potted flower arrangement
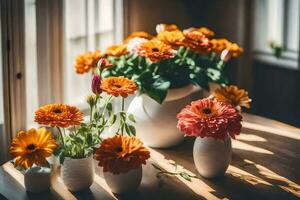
(168, 67)
(121, 158)
(214, 121)
(79, 140)
(30, 150)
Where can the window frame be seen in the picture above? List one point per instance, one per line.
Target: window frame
(289, 59)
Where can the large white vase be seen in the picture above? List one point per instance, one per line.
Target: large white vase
(124, 182)
(212, 157)
(78, 174)
(156, 123)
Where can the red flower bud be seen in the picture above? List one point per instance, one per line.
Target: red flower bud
(96, 82)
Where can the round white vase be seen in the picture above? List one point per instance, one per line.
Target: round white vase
(212, 157)
(124, 182)
(37, 179)
(78, 174)
(156, 124)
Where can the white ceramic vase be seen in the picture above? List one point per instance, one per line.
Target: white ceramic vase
(157, 123)
(212, 157)
(124, 182)
(37, 179)
(78, 174)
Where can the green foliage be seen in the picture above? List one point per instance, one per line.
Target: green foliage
(82, 141)
(154, 79)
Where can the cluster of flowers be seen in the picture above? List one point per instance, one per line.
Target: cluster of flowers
(162, 46)
(117, 154)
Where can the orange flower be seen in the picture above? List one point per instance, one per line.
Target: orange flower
(233, 95)
(32, 147)
(121, 154)
(172, 38)
(205, 31)
(156, 50)
(166, 27)
(218, 45)
(235, 50)
(197, 42)
(60, 115)
(116, 50)
(138, 34)
(118, 86)
(87, 61)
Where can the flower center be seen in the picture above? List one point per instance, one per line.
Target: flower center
(57, 111)
(119, 149)
(31, 147)
(207, 111)
(118, 86)
(155, 49)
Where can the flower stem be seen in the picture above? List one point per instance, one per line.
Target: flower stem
(61, 136)
(122, 119)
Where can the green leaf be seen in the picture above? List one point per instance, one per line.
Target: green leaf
(112, 119)
(185, 176)
(132, 130)
(89, 139)
(109, 106)
(131, 118)
(61, 159)
(158, 90)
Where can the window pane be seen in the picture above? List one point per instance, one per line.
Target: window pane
(293, 16)
(88, 25)
(31, 62)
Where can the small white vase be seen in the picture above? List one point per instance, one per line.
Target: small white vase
(124, 182)
(212, 157)
(78, 174)
(37, 179)
(156, 123)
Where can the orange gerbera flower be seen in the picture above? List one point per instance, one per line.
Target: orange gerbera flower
(117, 50)
(205, 31)
(197, 41)
(118, 86)
(87, 61)
(172, 38)
(218, 45)
(121, 154)
(32, 147)
(138, 34)
(60, 115)
(233, 95)
(155, 50)
(166, 27)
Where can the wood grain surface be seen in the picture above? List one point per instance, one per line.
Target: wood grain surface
(265, 165)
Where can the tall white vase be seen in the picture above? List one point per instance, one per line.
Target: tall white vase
(78, 174)
(212, 157)
(124, 182)
(156, 123)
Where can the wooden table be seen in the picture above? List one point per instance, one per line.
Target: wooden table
(265, 165)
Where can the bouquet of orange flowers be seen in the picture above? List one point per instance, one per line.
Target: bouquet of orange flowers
(171, 59)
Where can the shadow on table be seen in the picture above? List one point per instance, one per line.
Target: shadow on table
(267, 176)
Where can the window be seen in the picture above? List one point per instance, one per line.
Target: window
(55, 33)
(278, 21)
(89, 25)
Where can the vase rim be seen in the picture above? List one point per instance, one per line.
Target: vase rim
(179, 93)
(69, 158)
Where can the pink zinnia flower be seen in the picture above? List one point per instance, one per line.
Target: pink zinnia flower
(209, 118)
(96, 82)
